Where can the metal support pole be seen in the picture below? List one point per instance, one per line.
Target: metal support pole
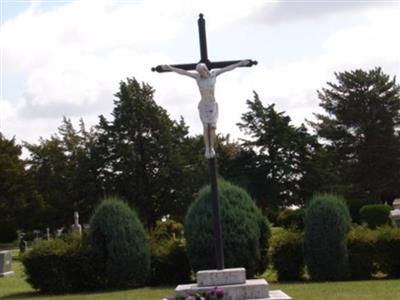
(219, 249)
(203, 40)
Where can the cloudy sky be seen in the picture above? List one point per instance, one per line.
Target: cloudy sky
(66, 58)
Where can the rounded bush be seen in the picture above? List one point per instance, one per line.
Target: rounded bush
(375, 215)
(289, 218)
(327, 222)
(119, 238)
(57, 266)
(43, 266)
(245, 230)
(286, 253)
(361, 243)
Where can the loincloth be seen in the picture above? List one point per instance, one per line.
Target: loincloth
(208, 112)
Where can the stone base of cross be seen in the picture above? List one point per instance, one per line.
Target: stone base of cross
(230, 284)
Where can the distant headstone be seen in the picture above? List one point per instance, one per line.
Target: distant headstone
(395, 216)
(76, 227)
(395, 213)
(48, 233)
(36, 233)
(396, 203)
(22, 244)
(59, 232)
(5, 263)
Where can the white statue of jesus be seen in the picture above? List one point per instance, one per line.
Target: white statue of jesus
(208, 107)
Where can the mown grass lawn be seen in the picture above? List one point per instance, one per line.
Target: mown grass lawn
(15, 287)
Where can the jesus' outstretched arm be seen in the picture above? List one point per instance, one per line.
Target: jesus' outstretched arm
(231, 67)
(179, 71)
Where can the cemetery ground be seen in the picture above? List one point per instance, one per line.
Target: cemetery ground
(15, 287)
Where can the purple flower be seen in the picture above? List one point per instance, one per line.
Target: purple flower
(217, 291)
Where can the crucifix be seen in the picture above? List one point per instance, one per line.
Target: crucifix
(205, 76)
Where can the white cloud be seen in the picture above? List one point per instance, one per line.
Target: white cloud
(274, 12)
(292, 86)
(86, 27)
(6, 110)
(368, 45)
(73, 57)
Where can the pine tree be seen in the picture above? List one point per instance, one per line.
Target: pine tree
(361, 126)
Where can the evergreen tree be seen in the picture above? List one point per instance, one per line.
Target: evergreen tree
(245, 230)
(327, 222)
(361, 127)
(117, 236)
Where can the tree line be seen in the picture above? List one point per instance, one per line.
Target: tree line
(150, 160)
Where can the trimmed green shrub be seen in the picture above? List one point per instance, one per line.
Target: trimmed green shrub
(361, 243)
(119, 238)
(327, 222)
(84, 268)
(290, 218)
(43, 266)
(375, 215)
(388, 250)
(245, 230)
(286, 254)
(56, 266)
(169, 262)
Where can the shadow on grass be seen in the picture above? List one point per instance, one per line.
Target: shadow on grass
(22, 295)
(33, 295)
(38, 295)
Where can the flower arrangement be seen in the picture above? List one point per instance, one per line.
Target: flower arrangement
(213, 294)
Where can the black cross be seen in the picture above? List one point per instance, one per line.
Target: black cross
(219, 251)
(203, 54)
